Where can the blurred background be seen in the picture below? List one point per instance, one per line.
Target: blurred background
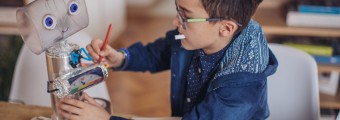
(145, 94)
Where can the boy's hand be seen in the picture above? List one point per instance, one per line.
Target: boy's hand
(110, 56)
(77, 110)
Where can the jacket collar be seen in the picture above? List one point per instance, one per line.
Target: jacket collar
(248, 52)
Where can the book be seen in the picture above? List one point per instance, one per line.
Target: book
(327, 60)
(320, 20)
(320, 50)
(319, 2)
(318, 9)
(329, 114)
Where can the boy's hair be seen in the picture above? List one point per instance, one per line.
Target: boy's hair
(239, 10)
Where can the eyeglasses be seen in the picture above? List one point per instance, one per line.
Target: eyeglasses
(183, 20)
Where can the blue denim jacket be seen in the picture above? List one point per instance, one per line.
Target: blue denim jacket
(235, 96)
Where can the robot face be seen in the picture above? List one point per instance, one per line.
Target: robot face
(43, 23)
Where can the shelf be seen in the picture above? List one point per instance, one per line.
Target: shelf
(272, 18)
(8, 21)
(327, 101)
(9, 30)
(273, 23)
(328, 68)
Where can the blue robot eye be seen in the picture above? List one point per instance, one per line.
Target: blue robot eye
(73, 8)
(49, 22)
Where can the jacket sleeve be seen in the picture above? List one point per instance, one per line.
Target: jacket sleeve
(153, 57)
(236, 101)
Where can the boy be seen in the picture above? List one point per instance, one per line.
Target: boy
(218, 71)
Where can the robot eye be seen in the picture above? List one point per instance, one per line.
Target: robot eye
(49, 22)
(73, 8)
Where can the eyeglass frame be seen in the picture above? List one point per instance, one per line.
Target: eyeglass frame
(183, 20)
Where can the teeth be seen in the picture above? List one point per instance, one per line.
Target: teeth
(179, 37)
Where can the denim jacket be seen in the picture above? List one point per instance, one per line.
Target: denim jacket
(235, 96)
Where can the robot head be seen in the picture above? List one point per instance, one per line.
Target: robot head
(44, 23)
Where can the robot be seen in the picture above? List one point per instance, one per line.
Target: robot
(44, 26)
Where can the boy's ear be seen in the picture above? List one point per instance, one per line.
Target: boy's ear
(228, 28)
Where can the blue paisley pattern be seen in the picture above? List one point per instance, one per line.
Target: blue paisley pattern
(247, 53)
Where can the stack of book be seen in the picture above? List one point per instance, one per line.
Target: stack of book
(322, 54)
(325, 50)
(314, 13)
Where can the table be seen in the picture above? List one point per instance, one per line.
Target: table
(12, 111)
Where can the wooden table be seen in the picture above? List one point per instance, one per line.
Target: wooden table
(11, 111)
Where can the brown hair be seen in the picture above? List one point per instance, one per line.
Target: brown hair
(239, 10)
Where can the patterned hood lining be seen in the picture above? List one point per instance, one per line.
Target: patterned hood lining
(247, 53)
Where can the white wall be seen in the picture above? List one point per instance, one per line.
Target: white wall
(104, 12)
(164, 8)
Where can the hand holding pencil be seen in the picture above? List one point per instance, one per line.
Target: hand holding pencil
(103, 53)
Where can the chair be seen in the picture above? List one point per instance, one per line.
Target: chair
(29, 84)
(293, 92)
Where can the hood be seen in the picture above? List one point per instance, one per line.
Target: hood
(248, 52)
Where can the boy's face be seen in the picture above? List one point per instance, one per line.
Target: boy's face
(199, 35)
